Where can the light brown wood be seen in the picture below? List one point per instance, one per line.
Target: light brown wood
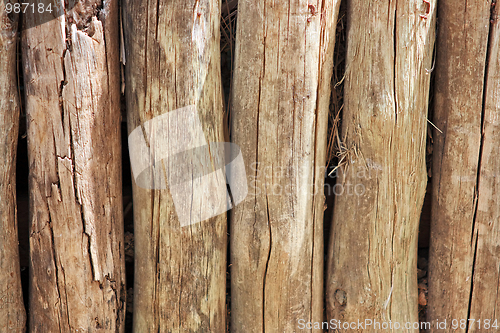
(373, 246)
(485, 301)
(71, 73)
(172, 62)
(457, 163)
(281, 91)
(12, 313)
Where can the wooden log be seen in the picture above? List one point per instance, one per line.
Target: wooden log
(372, 255)
(485, 275)
(459, 89)
(12, 313)
(173, 68)
(281, 94)
(71, 71)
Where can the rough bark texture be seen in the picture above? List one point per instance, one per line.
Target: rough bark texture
(12, 313)
(281, 91)
(73, 122)
(457, 162)
(373, 246)
(172, 62)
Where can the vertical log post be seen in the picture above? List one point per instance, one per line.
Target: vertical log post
(71, 69)
(373, 247)
(281, 94)
(462, 222)
(12, 313)
(486, 273)
(173, 70)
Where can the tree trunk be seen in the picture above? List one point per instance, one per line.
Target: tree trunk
(12, 313)
(281, 94)
(71, 70)
(373, 247)
(174, 105)
(486, 274)
(464, 228)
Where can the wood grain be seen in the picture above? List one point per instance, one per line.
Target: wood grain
(71, 73)
(172, 62)
(485, 302)
(461, 58)
(372, 254)
(281, 90)
(12, 313)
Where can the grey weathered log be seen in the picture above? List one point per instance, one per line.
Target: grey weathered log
(281, 94)
(12, 313)
(71, 73)
(173, 62)
(463, 256)
(372, 254)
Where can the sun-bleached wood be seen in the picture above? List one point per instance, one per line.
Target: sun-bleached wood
(372, 254)
(71, 73)
(281, 93)
(173, 61)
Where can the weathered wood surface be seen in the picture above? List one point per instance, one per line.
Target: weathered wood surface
(71, 73)
(373, 246)
(485, 301)
(457, 218)
(281, 93)
(173, 64)
(12, 313)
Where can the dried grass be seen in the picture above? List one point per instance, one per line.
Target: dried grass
(229, 13)
(337, 151)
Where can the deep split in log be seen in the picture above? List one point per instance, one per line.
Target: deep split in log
(463, 256)
(71, 71)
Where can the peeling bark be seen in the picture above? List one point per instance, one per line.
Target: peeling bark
(457, 167)
(463, 263)
(281, 91)
(12, 313)
(71, 72)
(172, 62)
(372, 253)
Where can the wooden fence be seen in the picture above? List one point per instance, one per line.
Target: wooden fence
(133, 215)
